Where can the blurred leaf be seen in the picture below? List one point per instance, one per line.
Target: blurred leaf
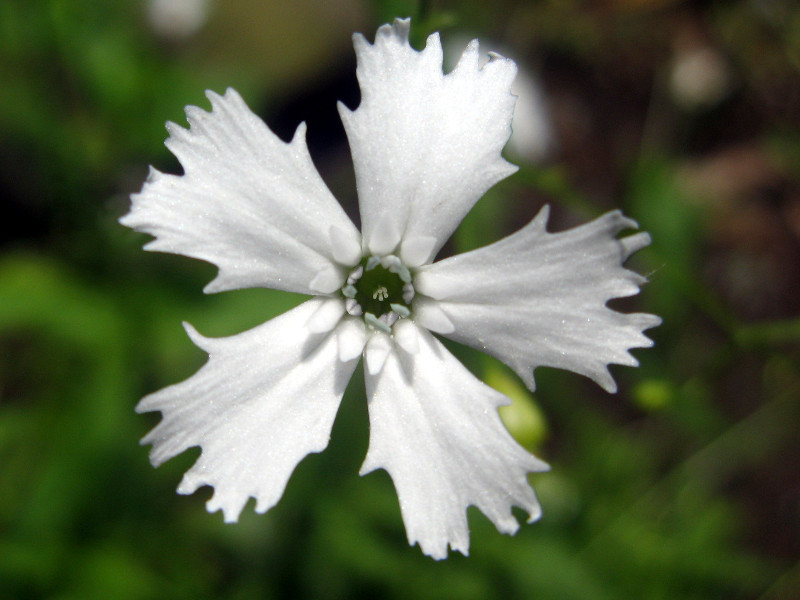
(523, 417)
(654, 394)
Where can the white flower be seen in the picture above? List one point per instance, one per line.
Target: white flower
(426, 146)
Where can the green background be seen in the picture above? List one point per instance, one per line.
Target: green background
(685, 484)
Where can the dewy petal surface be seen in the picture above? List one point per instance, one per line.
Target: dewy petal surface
(539, 299)
(435, 429)
(248, 202)
(264, 400)
(426, 146)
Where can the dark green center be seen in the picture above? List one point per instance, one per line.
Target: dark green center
(378, 289)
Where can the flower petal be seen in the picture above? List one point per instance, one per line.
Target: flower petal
(248, 202)
(539, 299)
(426, 146)
(264, 400)
(434, 427)
(376, 352)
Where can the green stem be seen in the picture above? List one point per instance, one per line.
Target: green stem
(773, 332)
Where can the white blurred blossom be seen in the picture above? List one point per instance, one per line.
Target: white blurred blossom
(177, 19)
(700, 77)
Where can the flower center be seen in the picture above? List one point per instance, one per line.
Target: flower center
(379, 290)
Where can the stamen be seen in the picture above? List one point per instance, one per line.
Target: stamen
(390, 262)
(408, 293)
(375, 323)
(401, 310)
(352, 307)
(404, 274)
(390, 318)
(394, 265)
(355, 275)
(380, 294)
(380, 290)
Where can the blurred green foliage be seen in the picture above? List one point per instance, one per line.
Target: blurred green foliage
(685, 485)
